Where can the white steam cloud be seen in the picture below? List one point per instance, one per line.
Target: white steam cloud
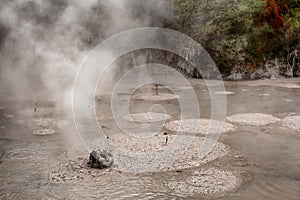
(43, 42)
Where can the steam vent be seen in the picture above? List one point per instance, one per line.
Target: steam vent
(160, 99)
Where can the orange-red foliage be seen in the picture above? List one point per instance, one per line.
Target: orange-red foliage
(275, 11)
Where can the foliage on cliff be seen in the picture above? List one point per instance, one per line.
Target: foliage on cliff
(244, 36)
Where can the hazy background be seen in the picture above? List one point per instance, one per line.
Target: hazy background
(43, 42)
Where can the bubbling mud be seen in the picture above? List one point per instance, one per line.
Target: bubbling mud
(20, 154)
(42, 122)
(38, 112)
(42, 126)
(253, 119)
(34, 152)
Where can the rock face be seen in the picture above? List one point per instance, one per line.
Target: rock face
(102, 158)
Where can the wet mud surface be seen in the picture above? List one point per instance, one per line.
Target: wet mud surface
(260, 160)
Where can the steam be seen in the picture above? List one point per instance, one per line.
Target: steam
(43, 42)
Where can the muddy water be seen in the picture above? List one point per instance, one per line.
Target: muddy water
(268, 157)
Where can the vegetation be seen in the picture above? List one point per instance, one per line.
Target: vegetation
(244, 36)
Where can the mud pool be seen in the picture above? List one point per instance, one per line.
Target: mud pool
(258, 157)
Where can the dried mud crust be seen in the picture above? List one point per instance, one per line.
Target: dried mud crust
(253, 119)
(207, 181)
(202, 126)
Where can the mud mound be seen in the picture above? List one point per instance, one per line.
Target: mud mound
(189, 158)
(160, 97)
(290, 86)
(264, 94)
(278, 83)
(199, 126)
(224, 93)
(207, 181)
(75, 170)
(42, 122)
(292, 122)
(147, 117)
(8, 116)
(253, 119)
(186, 88)
(42, 132)
(245, 90)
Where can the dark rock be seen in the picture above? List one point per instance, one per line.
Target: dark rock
(101, 158)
